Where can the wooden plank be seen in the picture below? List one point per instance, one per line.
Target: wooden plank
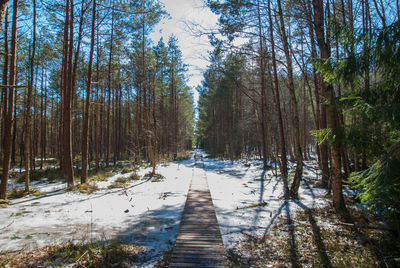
(198, 264)
(196, 236)
(200, 251)
(196, 258)
(199, 242)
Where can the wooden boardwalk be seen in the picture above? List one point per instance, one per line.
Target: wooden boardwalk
(199, 242)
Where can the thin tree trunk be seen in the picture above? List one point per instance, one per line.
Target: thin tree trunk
(29, 104)
(146, 108)
(283, 162)
(296, 126)
(64, 86)
(44, 122)
(96, 125)
(14, 128)
(262, 81)
(67, 141)
(154, 158)
(332, 123)
(4, 97)
(35, 135)
(108, 139)
(9, 116)
(320, 108)
(85, 141)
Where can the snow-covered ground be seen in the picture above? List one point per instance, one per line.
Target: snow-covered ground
(146, 213)
(247, 200)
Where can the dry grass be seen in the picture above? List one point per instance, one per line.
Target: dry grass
(4, 203)
(85, 188)
(316, 238)
(20, 192)
(122, 182)
(115, 254)
(154, 177)
(126, 170)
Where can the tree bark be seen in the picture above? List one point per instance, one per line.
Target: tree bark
(296, 126)
(4, 97)
(3, 11)
(154, 158)
(68, 170)
(85, 141)
(262, 84)
(9, 116)
(29, 104)
(283, 162)
(44, 119)
(332, 123)
(97, 110)
(108, 139)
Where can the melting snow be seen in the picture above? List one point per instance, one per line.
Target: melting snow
(148, 213)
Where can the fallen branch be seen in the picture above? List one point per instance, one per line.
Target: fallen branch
(3, 228)
(262, 204)
(363, 226)
(79, 259)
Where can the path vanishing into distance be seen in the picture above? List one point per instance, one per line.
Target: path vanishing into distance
(199, 242)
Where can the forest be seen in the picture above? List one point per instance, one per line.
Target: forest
(86, 90)
(309, 79)
(92, 106)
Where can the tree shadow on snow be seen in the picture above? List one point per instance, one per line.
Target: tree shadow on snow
(294, 258)
(317, 235)
(225, 167)
(36, 198)
(156, 230)
(291, 229)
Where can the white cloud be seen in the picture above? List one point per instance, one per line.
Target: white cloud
(184, 15)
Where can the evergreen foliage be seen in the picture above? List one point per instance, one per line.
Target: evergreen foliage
(380, 186)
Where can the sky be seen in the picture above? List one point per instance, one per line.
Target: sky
(184, 15)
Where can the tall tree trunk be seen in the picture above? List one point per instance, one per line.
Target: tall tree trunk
(68, 170)
(97, 110)
(64, 86)
(332, 122)
(283, 162)
(14, 127)
(173, 141)
(4, 97)
(146, 108)
(262, 81)
(9, 116)
(85, 141)
(35, 135)
(296, 126)
(108, 139)
(320, 108)
(29, 104)
(154, 158)
(305, 141)
(114, 113)
(44, 120)
(78, 46)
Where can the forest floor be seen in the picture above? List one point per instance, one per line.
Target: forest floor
(125, 218)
